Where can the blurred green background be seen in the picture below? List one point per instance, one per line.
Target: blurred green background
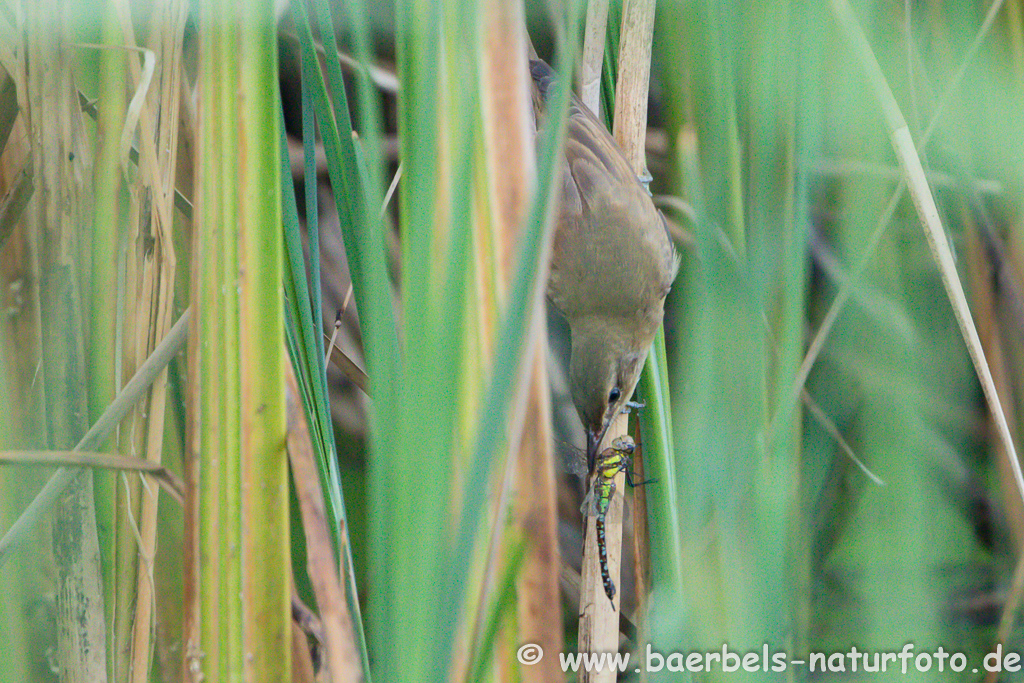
(866, 502)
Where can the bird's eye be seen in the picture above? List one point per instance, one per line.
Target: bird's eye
(614, 395)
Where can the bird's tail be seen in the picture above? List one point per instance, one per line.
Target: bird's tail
(543, 83)
(543, 77)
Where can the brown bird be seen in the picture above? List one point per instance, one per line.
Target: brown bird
(612, 265)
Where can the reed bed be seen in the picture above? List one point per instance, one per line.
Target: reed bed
(280, 397)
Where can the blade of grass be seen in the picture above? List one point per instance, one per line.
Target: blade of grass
(357, 192)
(363, 238)
(527, 288)
(434, 55)
(312, 382)
(266, 533)
(659, 465)
(503, 599)
(206, 655)
(103, 318)
(611, 56)
(302, 328)
(299, 331)
(166, 478)
(312, 188)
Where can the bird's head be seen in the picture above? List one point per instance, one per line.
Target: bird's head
(604, 368)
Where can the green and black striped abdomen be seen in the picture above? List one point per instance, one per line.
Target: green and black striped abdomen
(604, 502)
(612, 461)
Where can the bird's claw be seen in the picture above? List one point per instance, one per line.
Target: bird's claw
(634, 405)
(645, 178)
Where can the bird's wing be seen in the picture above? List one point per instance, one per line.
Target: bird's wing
(666, 248)
(606, 221)
(586, 137)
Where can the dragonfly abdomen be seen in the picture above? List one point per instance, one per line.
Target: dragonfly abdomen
(606, 492)
(602, 551)
(613, 461)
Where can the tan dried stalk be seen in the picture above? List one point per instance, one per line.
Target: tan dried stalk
(599, 618)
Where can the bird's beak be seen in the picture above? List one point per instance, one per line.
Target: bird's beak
(593, 441)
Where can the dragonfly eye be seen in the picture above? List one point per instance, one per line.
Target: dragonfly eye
(614, 395)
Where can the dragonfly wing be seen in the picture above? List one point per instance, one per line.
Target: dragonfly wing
(574, 460)
(589, 506)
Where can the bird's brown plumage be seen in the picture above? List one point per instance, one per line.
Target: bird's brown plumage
(612, 264)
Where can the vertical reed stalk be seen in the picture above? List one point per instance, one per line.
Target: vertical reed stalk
(599, 620)
(244, 576)
(103, 317)
(510, 167)
(54, 216)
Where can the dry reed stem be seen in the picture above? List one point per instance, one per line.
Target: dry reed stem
(986, 305)
(343, 661)
(641, 546)
(169, 480)
(593, 55)
(510, 172)
(599, 620)
(168, 22)
(60, 157)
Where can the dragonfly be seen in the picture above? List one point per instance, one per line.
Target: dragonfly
(610, 462)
